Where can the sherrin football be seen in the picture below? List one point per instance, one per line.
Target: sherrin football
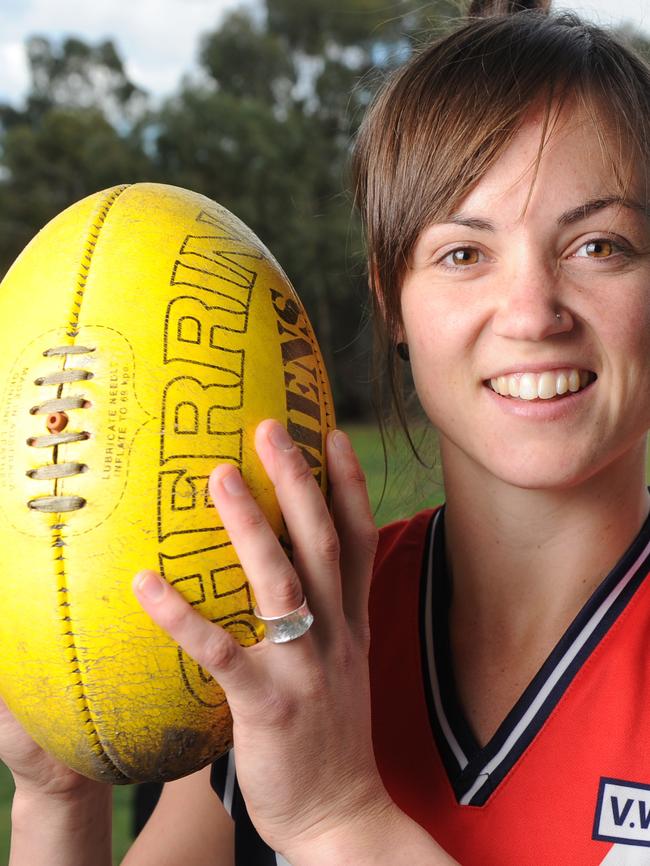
(145, 332)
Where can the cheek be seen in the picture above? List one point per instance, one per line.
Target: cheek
(439, 385)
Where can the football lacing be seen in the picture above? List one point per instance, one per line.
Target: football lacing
(55, 409)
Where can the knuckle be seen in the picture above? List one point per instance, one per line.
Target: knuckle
(287, 589)
(252, 518)
(368, 538)
(327, 546)
(356, 474)
(277, 708)
(299, 470)
(219, 652)
(178, 617)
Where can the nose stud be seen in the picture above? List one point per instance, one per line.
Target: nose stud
(558, 315)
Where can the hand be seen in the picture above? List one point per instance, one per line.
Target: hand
(301, 710)
(33, 769)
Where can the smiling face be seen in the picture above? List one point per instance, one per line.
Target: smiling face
(527, 314)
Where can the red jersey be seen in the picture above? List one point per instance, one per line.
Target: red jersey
(565, 780)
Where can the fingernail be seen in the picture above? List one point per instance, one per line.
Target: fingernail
(340, 440)
(280, 438)
(150, 586)
(233, 483)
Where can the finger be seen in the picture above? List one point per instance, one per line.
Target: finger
(208, 644)
(313, 536)
(273, 578)
(354, 524)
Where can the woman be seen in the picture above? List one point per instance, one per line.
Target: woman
(502, 174)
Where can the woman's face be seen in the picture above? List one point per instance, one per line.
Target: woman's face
(527, 315)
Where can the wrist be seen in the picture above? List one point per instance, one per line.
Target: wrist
(28, 798)
(384, 836)
(66, 788)
(62, 829)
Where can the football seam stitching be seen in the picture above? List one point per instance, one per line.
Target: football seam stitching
(58, 541)
(84, 269)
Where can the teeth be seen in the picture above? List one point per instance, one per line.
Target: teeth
(540, 386)
(528, 387)
(546, 387)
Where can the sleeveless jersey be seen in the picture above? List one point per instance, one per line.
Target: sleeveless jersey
(565, 780)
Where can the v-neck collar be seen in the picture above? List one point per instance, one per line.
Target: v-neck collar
(475, 771)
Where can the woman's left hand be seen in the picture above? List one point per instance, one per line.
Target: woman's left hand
(301, 710)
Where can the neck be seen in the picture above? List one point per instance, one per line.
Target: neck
(526, 560)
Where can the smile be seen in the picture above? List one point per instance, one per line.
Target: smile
(547, 385)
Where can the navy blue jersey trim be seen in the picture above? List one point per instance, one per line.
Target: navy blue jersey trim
(250, 848)
(218, 775)
(475, 772)
(453, 754)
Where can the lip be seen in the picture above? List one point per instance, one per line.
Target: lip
(541, 410)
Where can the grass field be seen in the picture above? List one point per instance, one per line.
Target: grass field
(404, 493)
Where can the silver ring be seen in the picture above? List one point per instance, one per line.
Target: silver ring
(289, 626)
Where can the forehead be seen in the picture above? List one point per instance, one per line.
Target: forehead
(568, 153)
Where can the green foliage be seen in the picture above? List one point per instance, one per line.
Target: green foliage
(75, 74)
(314, 26)
(249, 62)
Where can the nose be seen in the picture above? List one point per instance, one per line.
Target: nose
(531, 307)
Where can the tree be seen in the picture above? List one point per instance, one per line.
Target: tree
(74, 74)
(75, 135)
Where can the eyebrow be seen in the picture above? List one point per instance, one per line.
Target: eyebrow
(595, 204)
(570, 216)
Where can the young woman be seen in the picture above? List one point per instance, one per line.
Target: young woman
(503, 178)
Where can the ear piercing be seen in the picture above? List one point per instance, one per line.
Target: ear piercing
(402, 350)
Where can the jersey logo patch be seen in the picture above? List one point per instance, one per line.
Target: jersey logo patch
(622, 812)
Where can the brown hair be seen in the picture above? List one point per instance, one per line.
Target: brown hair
(445, 117)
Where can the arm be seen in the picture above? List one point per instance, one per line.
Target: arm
(188, 825)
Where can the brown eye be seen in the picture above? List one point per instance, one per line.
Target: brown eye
(601, 249)
(464, 256)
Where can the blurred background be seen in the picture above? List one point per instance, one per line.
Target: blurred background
(251, 103)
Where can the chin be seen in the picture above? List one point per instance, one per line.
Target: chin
(542, 471)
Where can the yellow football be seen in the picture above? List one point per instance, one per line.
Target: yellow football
(145, 333)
